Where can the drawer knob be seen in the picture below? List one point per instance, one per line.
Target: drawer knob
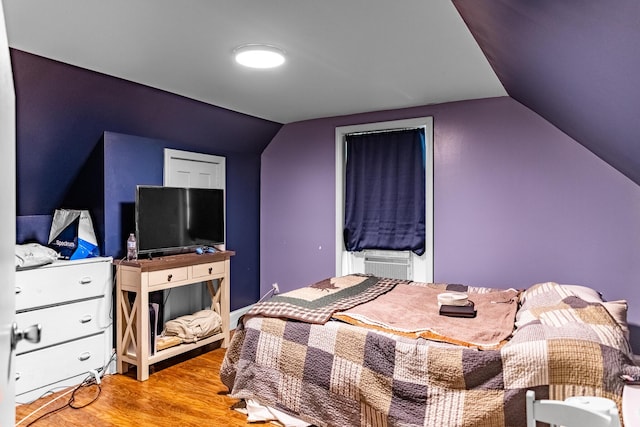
(210, 270)
(18, 375)
(84, 356)
(85, 280)
(169, 277)
(86, 318)
(18, 290)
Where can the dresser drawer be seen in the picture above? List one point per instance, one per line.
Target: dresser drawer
(206, 270)
(63, 322)
(162, 277)
(44, 367)
(61, 281)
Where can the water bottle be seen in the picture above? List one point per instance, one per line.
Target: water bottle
(132, 250)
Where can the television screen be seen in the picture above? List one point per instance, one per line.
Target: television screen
(174, 219)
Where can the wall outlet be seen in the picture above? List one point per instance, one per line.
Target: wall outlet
(276, 289)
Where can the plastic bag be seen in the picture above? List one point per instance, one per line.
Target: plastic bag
(72, 234)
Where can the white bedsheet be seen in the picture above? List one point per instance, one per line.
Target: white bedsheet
(257, 412)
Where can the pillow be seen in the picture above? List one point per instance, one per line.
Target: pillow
(584, 293)
(617, 309)
(33, 255)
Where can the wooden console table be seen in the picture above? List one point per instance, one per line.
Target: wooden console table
(144, 276)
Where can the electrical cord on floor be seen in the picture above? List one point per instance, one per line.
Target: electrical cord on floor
(71, 402)
(42, 407)
(88, 382)
(92, 380)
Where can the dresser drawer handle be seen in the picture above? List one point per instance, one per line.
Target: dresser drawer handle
(18, 290)
(169, 277)
(18, 375)
(86, 318)
(84, 356)
(85, 280)
(210, 270)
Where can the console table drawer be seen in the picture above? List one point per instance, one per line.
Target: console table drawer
(48, 366)
(172, 275)
(209, 269)
(61, 281)
(63, 322)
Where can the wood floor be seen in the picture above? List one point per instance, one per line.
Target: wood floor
(186, 391)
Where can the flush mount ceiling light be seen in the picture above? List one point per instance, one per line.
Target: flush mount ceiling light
(259, 56)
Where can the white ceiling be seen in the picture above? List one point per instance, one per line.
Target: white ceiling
(343, 56)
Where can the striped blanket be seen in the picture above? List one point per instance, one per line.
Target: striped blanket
(318, 302)
(339, 374)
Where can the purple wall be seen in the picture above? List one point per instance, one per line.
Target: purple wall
(297, 213)
(122, 173)
(516, 202)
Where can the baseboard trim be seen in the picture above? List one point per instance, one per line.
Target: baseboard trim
(235, 315)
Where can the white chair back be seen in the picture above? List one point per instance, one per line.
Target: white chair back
(567, 414)
(631, 405)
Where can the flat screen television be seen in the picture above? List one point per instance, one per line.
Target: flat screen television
(178, 219)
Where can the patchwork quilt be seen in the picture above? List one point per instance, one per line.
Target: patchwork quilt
(338, 374)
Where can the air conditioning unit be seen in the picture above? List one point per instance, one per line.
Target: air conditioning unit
(393, 264)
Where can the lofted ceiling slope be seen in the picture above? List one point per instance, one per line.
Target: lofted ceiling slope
(577, 64)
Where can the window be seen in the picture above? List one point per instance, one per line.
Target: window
(351, 262)
(385, 190)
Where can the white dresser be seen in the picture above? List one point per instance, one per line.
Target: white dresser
(71, 300)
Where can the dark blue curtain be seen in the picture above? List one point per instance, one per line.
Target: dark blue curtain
(385, 191)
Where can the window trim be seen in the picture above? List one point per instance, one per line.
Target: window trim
(426, 273)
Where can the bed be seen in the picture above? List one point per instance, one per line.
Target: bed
(328, 355)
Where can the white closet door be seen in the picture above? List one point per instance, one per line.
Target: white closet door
(187, 169)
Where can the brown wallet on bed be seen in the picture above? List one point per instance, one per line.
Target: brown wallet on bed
(468, 310)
